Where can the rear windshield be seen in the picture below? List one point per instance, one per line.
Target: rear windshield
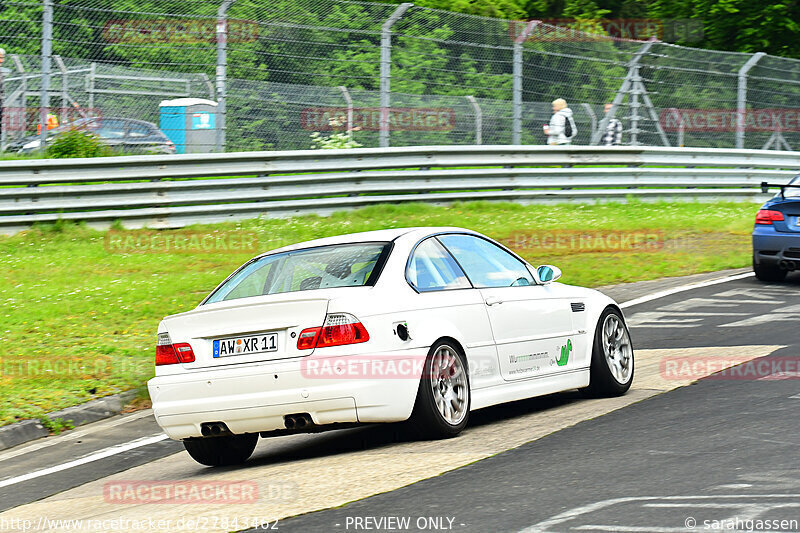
(340, 265)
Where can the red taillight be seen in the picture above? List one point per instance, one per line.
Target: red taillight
(170, 354)
(339, 329)
(185, 352)
(768, 216)
(308, 338)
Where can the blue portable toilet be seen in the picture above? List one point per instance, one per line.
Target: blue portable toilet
(190, 123)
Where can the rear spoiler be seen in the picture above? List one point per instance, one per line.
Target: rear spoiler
(765, 187)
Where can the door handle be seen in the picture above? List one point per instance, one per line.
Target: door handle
(493, 300)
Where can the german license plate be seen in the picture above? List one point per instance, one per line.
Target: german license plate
(249, 344)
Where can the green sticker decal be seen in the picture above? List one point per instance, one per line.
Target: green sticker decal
(565, 350)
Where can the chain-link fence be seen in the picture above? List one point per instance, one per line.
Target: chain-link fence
(252, 75)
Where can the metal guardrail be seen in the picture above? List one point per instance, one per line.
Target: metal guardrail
(176, 190)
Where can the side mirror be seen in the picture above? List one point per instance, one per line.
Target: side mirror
(548, 273)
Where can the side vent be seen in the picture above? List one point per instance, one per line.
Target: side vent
(577, 307)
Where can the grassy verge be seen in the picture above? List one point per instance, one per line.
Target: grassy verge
(79, 322)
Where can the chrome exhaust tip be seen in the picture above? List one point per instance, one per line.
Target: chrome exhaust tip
(298, 421)
(214, 429)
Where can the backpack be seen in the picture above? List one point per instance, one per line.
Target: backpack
(569, 131)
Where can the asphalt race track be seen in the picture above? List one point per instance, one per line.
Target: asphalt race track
(675, 454)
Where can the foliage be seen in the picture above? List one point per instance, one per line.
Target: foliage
(333, 141)
(56, 425)
(76, 143)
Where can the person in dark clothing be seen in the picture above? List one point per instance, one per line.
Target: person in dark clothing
(613, 133)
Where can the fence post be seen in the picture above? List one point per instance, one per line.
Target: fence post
(634, 105)
(741, 97)
(349, 101)
(222, 71)
(209, 86)
(47, 51)
(478, 119)
(90, 83)
(23, 98)
(592, 116)
(516, 120)
(633, 71)
(681, 124)
(386, 71)
(62, 68)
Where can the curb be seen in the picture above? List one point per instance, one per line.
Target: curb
(91, 411)
(21, 432)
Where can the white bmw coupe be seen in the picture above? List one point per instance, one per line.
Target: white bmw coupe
(418, 324)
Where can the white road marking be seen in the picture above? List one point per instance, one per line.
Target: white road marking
(73, 435)
(693, 303)
(102, 454)
(652, 501)
(657, 319)
(757, 292)
(788, 314)
(683, 288)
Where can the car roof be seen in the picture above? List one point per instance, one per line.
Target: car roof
(381, 235)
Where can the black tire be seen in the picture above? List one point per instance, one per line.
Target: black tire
(768, 273)
(222, 451)
(426, 420)
(602, 382)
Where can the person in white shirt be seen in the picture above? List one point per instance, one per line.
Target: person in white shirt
(561, 129)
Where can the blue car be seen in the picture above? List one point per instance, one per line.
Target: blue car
(776, 234)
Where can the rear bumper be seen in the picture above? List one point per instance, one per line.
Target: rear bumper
(255, 398)
(772, 248)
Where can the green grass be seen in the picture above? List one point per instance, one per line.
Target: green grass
(79, 322)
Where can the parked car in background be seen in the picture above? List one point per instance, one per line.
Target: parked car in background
(121, 134)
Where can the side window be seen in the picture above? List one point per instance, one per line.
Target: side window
(138, 130)
(433, 269)
(485, 263)
(111, 129)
